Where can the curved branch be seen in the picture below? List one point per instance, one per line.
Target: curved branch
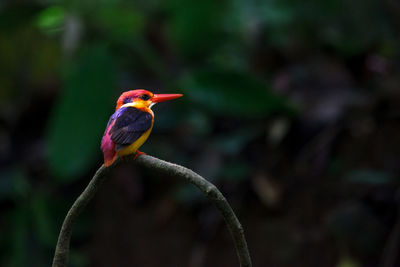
(207, 188)
(62, 248)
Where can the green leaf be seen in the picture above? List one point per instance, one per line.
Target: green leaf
(232, 93)
(51, 19)
(79, 118)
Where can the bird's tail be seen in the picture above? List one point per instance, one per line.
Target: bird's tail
(108, 147)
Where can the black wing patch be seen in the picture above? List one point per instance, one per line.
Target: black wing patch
(129, 125)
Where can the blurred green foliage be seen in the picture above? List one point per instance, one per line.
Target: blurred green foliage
(289, 106)
(192, 25)
(51, 19)
(77, 123)
(232, 94)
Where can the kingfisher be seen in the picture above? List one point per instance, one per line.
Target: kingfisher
(131, 124)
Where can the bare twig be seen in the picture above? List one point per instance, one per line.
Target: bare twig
(207, 188)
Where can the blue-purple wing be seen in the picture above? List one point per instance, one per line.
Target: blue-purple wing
(130, 124)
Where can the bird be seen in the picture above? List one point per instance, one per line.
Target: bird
(131, 124)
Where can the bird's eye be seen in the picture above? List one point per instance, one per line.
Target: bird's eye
(127, 100)
(145, 97)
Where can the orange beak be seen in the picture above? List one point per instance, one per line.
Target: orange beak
(164, 97)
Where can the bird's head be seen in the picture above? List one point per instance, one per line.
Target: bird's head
(143, 99)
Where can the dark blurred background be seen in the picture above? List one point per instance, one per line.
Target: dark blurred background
(290, 107)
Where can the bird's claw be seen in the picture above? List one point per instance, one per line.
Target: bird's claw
(137, 154)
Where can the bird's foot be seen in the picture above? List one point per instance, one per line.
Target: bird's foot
(137, 154)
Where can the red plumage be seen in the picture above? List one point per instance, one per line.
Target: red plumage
(108, 146)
